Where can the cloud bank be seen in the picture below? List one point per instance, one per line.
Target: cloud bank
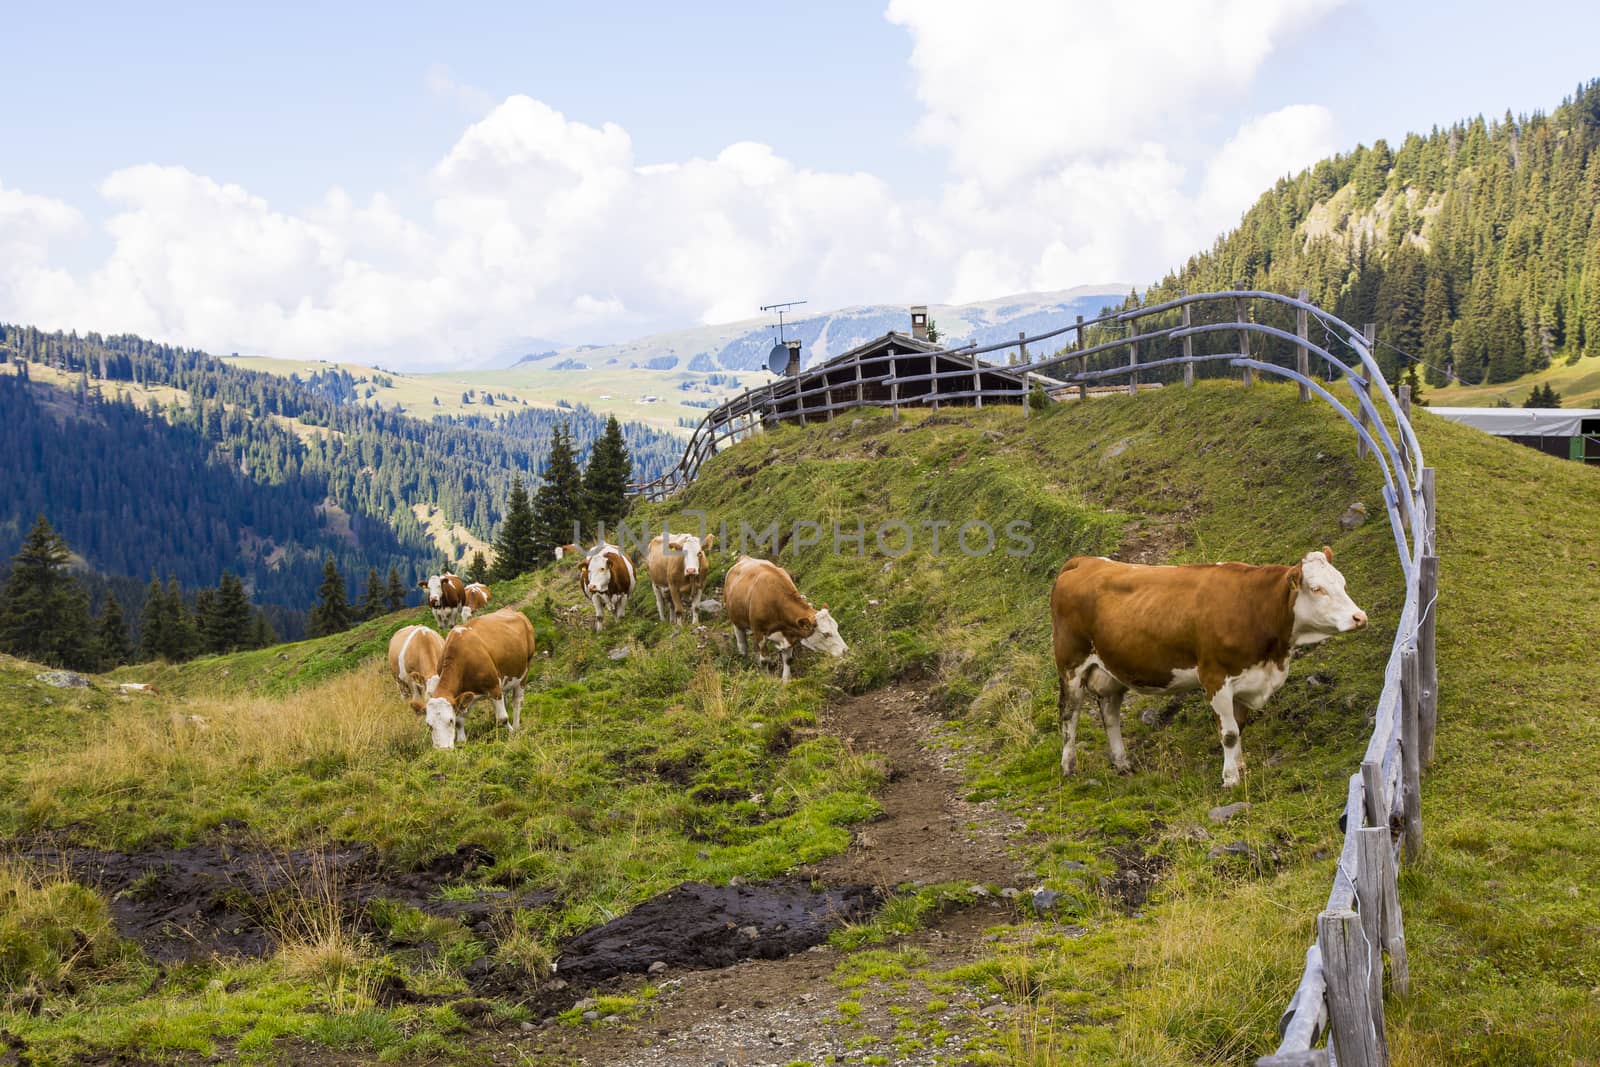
(1069, 161)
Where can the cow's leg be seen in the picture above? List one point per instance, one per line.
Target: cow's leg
(661, 606)
(1067, 708)
(516, 704)
(599, 610)
(786, 655)
(677, 605)
(1111, 716)
(739, 642)
(619, 605)
(1228, 729)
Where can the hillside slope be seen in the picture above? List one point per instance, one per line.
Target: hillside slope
(683, 762)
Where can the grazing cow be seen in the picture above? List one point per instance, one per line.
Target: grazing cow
(474, 598)
(484, 657)
(562, 550)
(607, 580)
(678, 574)
(447, 594)
(414, 658)
(1226, 628)
(764, 605)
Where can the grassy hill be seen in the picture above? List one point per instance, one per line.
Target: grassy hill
(681, 762)
(1578, 383)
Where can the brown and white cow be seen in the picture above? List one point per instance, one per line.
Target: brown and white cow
(414, 658)
(485, 657)
(677, 567)
(561, 551)
(764, 605)
(447, 594)
(607, 579)
(474, 598)
(1226, 628)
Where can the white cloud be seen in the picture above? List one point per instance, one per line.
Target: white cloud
(1063, 171)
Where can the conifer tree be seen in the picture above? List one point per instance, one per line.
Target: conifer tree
(373, 598)
(396, 593)
(183, 639)
(558, 505)
(261, 631)
(229, 628)
(478, 569)
(154, 623)
(514, 548)
(332, 611)
(47, 613)
(605, 480)
(114, 646)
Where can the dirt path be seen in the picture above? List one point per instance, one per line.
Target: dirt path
(779, 1011)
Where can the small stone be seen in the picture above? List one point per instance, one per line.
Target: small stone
(749, 933)
(1074, 865)
(1353, 516)
(1010, 893)
(710, 607)
(702, 854)
(620, 652)
(591, 1016)
(63, 679)
(556, 985)
(978, 891)
(657, 968)
(992, 435)
(1232, 848)
(872, 603)
(612, 1019)
(586, 1004)
(736, 881)
(1045, 899)
(1225, 812)
(526, 1027)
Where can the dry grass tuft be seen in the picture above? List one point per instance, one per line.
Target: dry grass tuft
(52, 930)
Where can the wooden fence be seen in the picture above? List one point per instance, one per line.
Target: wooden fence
(1336, 1015)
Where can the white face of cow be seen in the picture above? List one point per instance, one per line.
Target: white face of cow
(691, 549)
(435, 590)
(826, 639)
(1323, 608)
(441, 719)
(597, 578)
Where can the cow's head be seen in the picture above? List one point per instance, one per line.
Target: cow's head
(825, 638)
(562, 550)
(443, 717)
(691, 547)
(1321, 606)
(434, 584)
(597, 573)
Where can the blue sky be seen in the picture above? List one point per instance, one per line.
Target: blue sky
(428, 184)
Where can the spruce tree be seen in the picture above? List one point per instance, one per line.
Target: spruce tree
(183, 639)
(558, 505)
(47, 613)
(514, 548)
(605, 480)
(373, 598)
(478, 569)
(205, 622)
(332, 611)
(230, 621)
(154, 623)
(396, 593)
(114, 645)
(261, 631)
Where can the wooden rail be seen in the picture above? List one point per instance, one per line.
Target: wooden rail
(1336, 1012)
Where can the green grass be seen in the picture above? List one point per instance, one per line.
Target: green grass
(1578, 383)
(682, 761)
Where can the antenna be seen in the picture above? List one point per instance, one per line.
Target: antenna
(778, 358)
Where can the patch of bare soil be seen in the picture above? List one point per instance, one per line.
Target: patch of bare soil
(778, 1011)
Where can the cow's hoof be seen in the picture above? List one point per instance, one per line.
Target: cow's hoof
(1124, 767)
(1069, 765)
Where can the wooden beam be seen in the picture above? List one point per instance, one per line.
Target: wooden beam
(1369, 334)
(1372, 844)
(1244, 335)
(1083, 390)
(1410, 752)
(1133, 356)
(977, 382)
(1302, 357)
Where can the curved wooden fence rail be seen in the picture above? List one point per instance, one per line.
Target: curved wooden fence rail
(1336, 1013)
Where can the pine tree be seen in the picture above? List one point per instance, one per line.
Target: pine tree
(205, 621)
(114, 646)
(229, 628)
(396, 593)
(605, 480)
(47, 612)
(332, 611)
(478, 569)
(372, 599)
(183, 639)
(514, 549)
(1435, 327)
(558, 505)
(261, 631)
(154, 622)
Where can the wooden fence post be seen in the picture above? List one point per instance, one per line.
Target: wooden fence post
(1372, 844)
(1410, 754)
(1375, 803)
(1302, 357)
(1244, 335)
(1370, 332)
(1381, 854)
(1428, 652)
(894, 389)
(1133, 356)
(1188, 346)
(977, 382)
(1083, 388)
(1344, 962)
(1022, 347)
(1429, 545)
(860, 390)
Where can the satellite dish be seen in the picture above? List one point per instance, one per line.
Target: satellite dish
(778, 359)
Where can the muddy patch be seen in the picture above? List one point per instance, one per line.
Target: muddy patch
(697, 926)
(1138, 872)
(229, 899)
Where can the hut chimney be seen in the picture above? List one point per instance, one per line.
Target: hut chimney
(919, 322)
(793, 369)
